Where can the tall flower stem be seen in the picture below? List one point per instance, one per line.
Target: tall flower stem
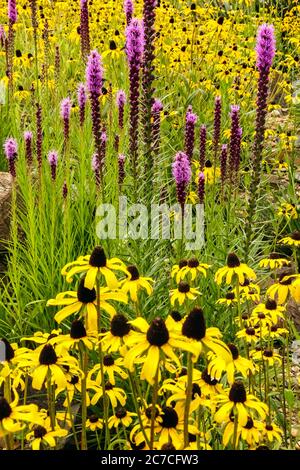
(188, 400)
(84, 368)
(153, 406)
(72, 421)
(51, 400)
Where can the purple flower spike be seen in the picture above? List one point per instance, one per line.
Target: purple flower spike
(202, 153)
(223, 164)
(190, 121)
(135, 42)
(128, 10)
(121, 169)
(181, 171)
(81, 98)
(234, 140)
(94, 73)
(96, 169)
(201, 187)
(53, 159)
(84, 28)
(265, 47)
(217, 124)
(65, 190)
(121, 101)
(28, 147)
(12, 11)
(157, 107)
(2, 36)
(65, 108)
(11, 153)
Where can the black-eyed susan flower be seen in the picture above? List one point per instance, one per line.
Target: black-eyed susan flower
(182, 293)
(277, 332)
(176, 270)
(267, 355)
(250, 334)
(209, 386)
(281, 289)
(153, 342)
(13, 416)
(194, 328)
(236, 400)
(119, 332)
(172, 426)
(239, 364)
(178, 394)
(292, 240)
(84, 302)
(115, 394)
(272, 432)
(122, 417)
(250, 433)
(271, 310)
(192, 269)
(74, 384)
(41, 437)
(94, 423)
(274, 261)
(229, 299)
(77, 336)
(134, 283)
(234, 269)
(48, 362)
(42, 338)
(288, 211)
(92, 265)
(111, 367)
(248, 291)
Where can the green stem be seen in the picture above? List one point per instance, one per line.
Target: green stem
(189, 390)
(153, 407)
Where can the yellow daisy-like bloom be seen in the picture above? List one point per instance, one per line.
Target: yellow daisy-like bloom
(192, 269)
(120, 331)
(92, 265)
(122, 417)
(248, 291)
(250, 334)
(250, 433)
(268, 356)
(229, 299)
(293, 239)
(42, 338)
(275, 332)
(136, 434)
(115, 394)
(274, 261)
(177, 269)
(288, 211)
(284, 287)
(47, 362)
(239, 364)
(111, 367)
(73, 386)
(77, 336)
(211, 173)
(271, 311)
(272, 432)
(93, 423)
(178, 390)
(208, 385)
(234, 268)
(153, 342)
(13, 416)
(84, 302)
(43, 436)
(134, 283)
(183, 292)
(236, 400)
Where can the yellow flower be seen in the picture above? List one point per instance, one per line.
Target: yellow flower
(183, 292)
(93, 423)
(84, 301)
(268, 356)
(43, 436)
(281, 289)
(178, 394)
(153, 341)
(134, 283)
(122, 417)
(111, 367)
(77, 336)
(120, 331)
(228, 299)
(250, 334)
(234, 268)
(13, 416)
(236, 400)
(268, 313)
(288, 211)
(272, 432)
(92, 265)
(192, 269)
(115, 394)
(274, 261)
(217, 365)
(293, 239)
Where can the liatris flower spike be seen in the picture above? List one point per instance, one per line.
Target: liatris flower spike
(181, 171)
(11, 153)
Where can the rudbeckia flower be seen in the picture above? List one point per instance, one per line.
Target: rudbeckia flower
(153, 342)
(177, 269)
(248, 291)
(249, 433)
(268, 313)
(234, 268)
(84, 302)
(281, 289)
(192, 269)
(134, 283)
(293, 239)
(286, 210)
(77, 336)
(217, 365)
(172, 426)
(236, 400)
(228, 299)
(178, 394)
(43, 436)
(73, 386)
(93, 423)
(47, 361)
(122, 417)
(250, 334)
(42, 338)
(92, 265)
(13, 416)
(115, 394)
(111, 367)
(272, 432)
(183, 292)
(267, 355)
(274, 261)
(120, 331)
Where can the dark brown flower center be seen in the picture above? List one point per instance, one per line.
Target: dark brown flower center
(234, 351)
(148, 412)
(169, 417)
(175, 315)
(182, 263)
(237, 393)
(74, 380)
(133, 270)
(208, 164)
(233, 261)
(168, 446)
(119, 326)
(284, 280)
(269, 427)
(98, 258)
(196, 390)
(250, 331)
(193, 263)
(85, 295)
(249, 424)
(230, 296)
(9, 352)
(296, 236)
(47, 355)
(183, 287)
(93, 419)
(268, 353)
(271, 304)
(194, 326)
(261, 316)
(39, 431)
(274, 256)
(108, 386)
(121, 412)
(5, 409)
(77, 330)
(207, 378)
(108, 360)
(158, 334)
